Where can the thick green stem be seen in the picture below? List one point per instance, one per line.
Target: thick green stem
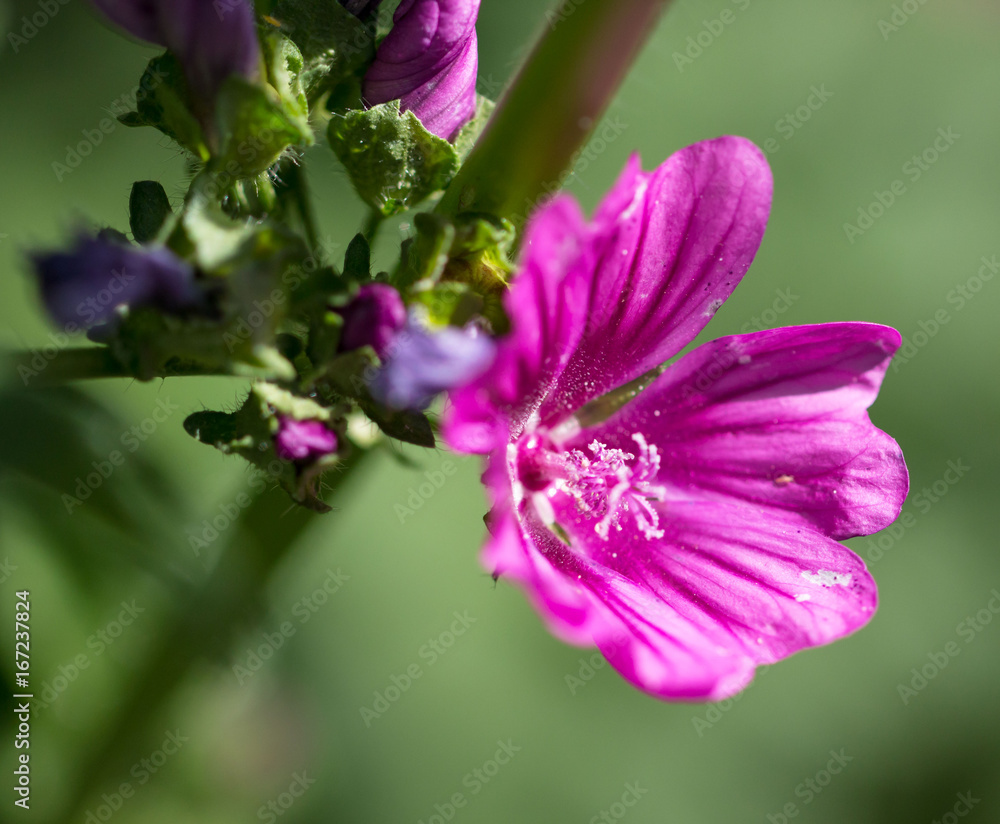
(552, 107)
(199, 628)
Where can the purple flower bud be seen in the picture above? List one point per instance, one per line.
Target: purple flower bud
(429, 62)
(304, 440)
(424, 363)
(372, 319)
(212, 40)
(85, 285)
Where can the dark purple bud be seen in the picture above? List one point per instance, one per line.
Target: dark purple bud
(373, 319)
(211, 39)
(85, 285)
(425, 363)
(429, 62)
(304, 440)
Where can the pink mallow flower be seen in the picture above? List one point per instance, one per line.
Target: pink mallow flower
(692, 534)
(429, 62)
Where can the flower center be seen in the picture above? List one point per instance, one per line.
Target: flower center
(606, 484)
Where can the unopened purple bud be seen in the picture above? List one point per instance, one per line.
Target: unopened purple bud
(429, 62)
(212, 40)
(85, 285)
(373, 319)
(425, 363)
(304, 440)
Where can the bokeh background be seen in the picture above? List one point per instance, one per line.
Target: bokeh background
(842, 102)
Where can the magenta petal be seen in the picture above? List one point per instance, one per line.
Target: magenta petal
(689, 615)
(779, 419)
(429, 62)
(547, 304)
(671, 245)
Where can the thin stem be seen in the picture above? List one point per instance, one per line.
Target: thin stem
(549, 112)
(200, 628)
(372, 225)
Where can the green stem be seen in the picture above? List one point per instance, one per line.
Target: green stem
(38, 369)
(547, 115)
(200, 628)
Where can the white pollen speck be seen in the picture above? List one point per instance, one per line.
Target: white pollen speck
(713, 307)
(744, 359)
(828, 578)
(803, 597)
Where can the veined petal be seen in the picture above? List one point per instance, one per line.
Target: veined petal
(670, 247)
(429, 62)
(778, 419)
(689, 615)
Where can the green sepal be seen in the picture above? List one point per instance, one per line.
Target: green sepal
(392, 160)
(336, 47)
(258, 127)
(164, 104)
(148, 210)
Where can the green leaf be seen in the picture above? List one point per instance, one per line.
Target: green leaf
(336, 47)
(392, 160)
(163, 102)
(148, 210)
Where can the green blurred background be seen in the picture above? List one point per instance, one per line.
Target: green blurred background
(582, 743)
